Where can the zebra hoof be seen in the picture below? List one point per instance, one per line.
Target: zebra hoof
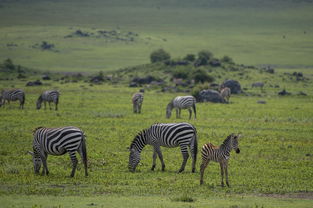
(201, 182)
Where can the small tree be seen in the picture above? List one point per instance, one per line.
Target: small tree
(204, 57)
(159, 55)
(190, 57)
(227, 59)
(8, 64)
(201, 76)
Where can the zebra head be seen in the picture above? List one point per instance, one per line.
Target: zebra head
(39, 101)
(134, 158)
(169, 108)
(235, 142)
(37, 162)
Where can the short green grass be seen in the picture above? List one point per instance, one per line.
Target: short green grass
(251, 35)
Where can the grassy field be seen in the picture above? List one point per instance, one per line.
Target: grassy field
(257, 34)
(275, 158)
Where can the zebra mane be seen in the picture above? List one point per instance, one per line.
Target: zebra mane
(228, 138)
(142, 132)
(40, 127)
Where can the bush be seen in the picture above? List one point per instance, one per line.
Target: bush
(203, 58)
(159, 55)
(197, 89)
(190, 57)
(181, 73)
(8, 64)
(227, 59)
(201, 76)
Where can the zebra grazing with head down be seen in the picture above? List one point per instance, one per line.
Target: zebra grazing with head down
(169, 135)
(137, 100)
(181, 102)
(48, 96)
(225, 93)
(12, 95)
(58, 141)
(219, 154)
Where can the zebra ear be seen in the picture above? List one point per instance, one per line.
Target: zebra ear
(31, 153)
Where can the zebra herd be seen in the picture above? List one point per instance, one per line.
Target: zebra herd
(18, 94)
(59, 141)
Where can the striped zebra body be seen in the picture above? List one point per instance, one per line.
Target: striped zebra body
(165, 135)
(58, 141)
(220, 154)
(181, 102)
(48, 96)
(12, 95)
(225, 93)
(137, 101)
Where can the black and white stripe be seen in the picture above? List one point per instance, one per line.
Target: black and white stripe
(58, 141)
(181, 102)
(165, 135)
(12, 95)
(220, 154)
(137, 101)
(48, 96)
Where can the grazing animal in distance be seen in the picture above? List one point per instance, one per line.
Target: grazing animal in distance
(12, 95)
(220, 154)
(182, 102)
(58, 141)
(225, 93)
(137, 101)
(48, 96)
(169, 135)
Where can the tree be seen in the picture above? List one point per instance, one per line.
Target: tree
(203, 58)
(8, 64)
(190, 57)
(201, 76)
(159, 55)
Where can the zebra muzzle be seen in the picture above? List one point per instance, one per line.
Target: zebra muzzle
(237, 150)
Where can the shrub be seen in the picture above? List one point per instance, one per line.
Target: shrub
(159, 55)
(201, 76)
(227, 59)
(8, 64)
(181, 73)
(190, 57)
(197, 89)
(203, 58)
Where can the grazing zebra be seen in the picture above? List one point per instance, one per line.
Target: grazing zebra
(48, 96)
(220, 154)
(58, 141)
(181, 102)
(169, 135)
(12, 95)
(225, 93)
(137, 100)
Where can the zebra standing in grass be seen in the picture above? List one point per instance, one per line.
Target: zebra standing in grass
(219, 154)
(48, 96)
(181, 102)
(58, 141)
(12, 95)
(169, 135)
(225, 93)
(137, 100)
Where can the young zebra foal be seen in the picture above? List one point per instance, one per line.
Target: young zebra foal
(225, 93)
(137, 100)
(181, 102)
(48, 96)
(58, 141)
(166, 135)
(219, 154)
(12, 95)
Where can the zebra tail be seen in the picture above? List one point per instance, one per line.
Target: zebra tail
(195, 145)
(83, 146)
(194, 108)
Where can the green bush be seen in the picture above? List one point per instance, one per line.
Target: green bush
(204, 57)
(159, 55)
(201, 76)
(227, 59)
(190, 57)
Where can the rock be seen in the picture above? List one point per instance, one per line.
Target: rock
(302, 93)
(35, 83)
(261, 102)
(211, 96)
(45, 77)
(233, 85)
(258, 84)
(284, 92)
(215, 63)
(133, 84)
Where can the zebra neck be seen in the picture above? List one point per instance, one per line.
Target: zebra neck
(139, 142)
(226, 147)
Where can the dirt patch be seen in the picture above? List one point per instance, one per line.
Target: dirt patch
(298, 195)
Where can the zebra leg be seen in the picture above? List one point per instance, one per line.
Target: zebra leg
(222, 173)
(56, 105)
(49, 105)
(202, 168)
(190, 113)
(177, 113)
(158, 151)
(44, 158)
(134, 108)
(226, 173)
(185, 154)
(193, 153)
(45, 104)
(83, 154)
(74, 162)
(154, 156)
(139, 108)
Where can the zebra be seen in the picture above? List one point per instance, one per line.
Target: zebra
(12, 95)
(225, 93)
(137, 100)
(48, 96)
(181, 102)
(220, 154)
(58, 141)
(169, 135)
